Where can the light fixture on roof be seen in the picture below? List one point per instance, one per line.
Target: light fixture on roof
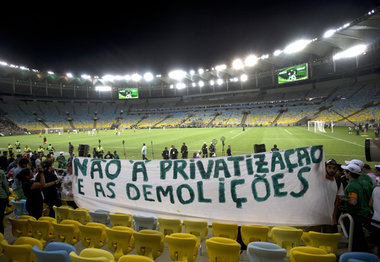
(192, 72)
(84, 76)
(329, 33)
(148, 77)
(3, 63)
(220, 67)
(250, 60)
(243, 78)
(297, 46)
(136, 77)
(201, 71)
(102, 88)
(50, 72)
(201, 83)
(212, 82)
(180, 85)
(219, 81)
(277, 52)
(177, 75)
(351, 52)
(237, 64)
(69, 75)
(265, 56)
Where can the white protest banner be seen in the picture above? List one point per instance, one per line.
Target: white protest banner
(276, 188)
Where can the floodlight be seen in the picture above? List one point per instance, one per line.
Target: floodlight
(192, 72)
(177, 74)
(84, 76)
(220, 67)
(329, 33)
(180, 85)
(201, 71)
(49, 72)
(69, 75)
(277, 52)
(3, 63)
(346, 25)
(148, 76)
(237, 64)
(351, 52)
(136, 77)
(193, 84)
(201, 84)
(101, 88)
(243, 78)
(266, 56)
(219, 81)
(171, 86)
(212, 82)
(297, 46)
(127, 77)
(250, 60)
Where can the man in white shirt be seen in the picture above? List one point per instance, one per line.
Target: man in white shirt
(143, 152)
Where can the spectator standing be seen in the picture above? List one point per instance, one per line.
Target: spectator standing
(4, 194)
(67, 187)
(50, 192)
(32, 190)
(355, 204)
(17, 184)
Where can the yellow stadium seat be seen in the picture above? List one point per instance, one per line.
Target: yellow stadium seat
(182, 246)
(225, 230)
(251, 233)
(120, 240)
(93, 235)
(169, 226)
(221, 249)
(149, 243)
(120, 219)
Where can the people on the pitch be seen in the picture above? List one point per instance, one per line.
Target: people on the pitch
(184, 151)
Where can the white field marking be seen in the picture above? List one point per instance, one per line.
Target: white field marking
(237, 135)
(340, 139)
(290, 133)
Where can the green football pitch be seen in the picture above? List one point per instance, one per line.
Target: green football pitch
(338, 145)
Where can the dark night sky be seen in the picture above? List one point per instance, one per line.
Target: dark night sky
(124, 37)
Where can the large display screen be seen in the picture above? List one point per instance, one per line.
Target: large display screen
(294, 73)
(128, 93)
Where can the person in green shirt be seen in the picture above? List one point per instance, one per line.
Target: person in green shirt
(61, 160)
(115, 155)
(354, 203)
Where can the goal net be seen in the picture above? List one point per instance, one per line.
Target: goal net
(316, 126)
(54, 130)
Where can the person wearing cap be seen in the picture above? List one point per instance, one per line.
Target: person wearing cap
(370, 172)
(355, 204)
(363, 179)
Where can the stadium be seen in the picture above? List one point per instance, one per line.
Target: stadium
(311, 94)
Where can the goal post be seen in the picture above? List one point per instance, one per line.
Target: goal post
(316, 126)
(54, 130)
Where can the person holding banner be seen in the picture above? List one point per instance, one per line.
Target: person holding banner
(354, 203)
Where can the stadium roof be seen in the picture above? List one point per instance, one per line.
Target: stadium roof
(364, 31)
